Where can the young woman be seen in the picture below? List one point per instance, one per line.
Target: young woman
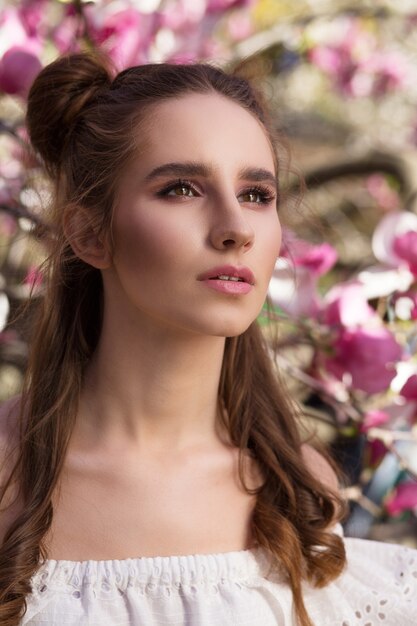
(153, 472)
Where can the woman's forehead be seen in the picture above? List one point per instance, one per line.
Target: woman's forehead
(206, 128)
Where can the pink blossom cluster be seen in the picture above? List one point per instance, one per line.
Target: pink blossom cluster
(177, 30)
(403, 498)
(356, 349)
(356, 64)
(360, 350)
(21, 46)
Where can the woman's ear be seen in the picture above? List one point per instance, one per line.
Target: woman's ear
(84, 239)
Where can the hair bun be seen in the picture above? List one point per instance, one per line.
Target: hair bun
(57, 98)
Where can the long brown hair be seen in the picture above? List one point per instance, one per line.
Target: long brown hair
(80, 119)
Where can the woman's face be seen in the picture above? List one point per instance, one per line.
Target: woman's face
(195, 229)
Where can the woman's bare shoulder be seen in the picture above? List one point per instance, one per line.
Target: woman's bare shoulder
(319, 467)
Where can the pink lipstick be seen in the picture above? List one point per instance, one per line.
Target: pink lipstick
(229, 279)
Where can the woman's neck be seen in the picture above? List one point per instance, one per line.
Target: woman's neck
(153, 388)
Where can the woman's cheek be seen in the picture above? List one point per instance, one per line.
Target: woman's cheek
(271, 243)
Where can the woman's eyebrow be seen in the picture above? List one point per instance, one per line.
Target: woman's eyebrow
(258, 174)
(191, 168)
(179, 169)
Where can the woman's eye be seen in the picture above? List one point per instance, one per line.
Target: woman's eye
(251, 196)
(179, 190)
(256, 197)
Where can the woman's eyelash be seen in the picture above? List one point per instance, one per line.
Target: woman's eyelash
(177, 184)
(265, 194)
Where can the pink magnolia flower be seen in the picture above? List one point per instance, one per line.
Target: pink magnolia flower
(191, 46)
(388, 244)
(32, 15)
(182, 15)
(326, 58)
(405, 304)
(409, 392)
(374, 418)
(355, 65)
(220, 6)
(365, 358)
(409, 389)
(347, 306)
(66, 34)
(404, 498)
(341, 64)
(191, 25)
(12, 30)
(294, 290)
(389, 71)
(239, 26)
(293, 286)
(340, 58)
(405, 247)
(125, 34)
(362, 348)
(379, 280)
(376, 450)
(18, 68)
(318, 259)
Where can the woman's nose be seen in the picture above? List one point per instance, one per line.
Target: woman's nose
(231, 229)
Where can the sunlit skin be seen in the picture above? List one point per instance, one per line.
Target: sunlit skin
(203, 195)
(162, 325)
(147, 471)
(146, 448)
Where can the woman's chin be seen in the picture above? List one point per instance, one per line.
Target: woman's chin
(230, 329)
(229, 325)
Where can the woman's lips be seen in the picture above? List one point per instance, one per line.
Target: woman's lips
(229, 279)
(227, 286)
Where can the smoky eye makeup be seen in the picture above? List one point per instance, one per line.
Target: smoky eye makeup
(179, 188)
(258, 194)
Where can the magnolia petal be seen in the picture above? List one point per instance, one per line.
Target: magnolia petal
(294, 289)
(379, 281)
(404, 498)
(347, 306)
(405, 369)
(18, 68)
(367, 357)
(409, 389)
(392, 225)
(374, 418)
(405, 247)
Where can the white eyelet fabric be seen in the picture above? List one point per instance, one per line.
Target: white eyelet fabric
(377, 588)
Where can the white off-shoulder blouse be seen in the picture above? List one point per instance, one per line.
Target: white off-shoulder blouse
(377, 588)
